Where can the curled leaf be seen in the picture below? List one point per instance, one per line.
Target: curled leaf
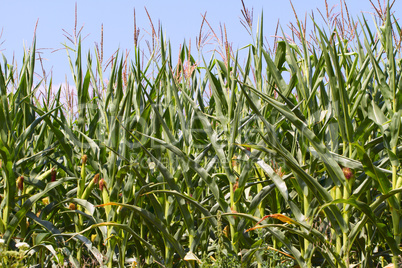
(282, 218)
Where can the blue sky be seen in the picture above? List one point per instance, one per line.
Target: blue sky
(180, 20)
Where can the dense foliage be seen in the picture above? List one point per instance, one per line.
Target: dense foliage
(289, 159)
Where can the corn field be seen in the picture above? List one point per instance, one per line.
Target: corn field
(289, 157)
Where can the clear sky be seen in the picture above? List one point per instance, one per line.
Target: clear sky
(180, 19)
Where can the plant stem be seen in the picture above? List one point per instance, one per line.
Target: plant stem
(232, 228)
(346, 212)
(338, 195)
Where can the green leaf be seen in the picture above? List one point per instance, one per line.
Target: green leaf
(335, 172)
(155, 221)
(21, 214)
(382, 228)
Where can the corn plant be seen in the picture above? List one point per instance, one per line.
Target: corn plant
(288, 159)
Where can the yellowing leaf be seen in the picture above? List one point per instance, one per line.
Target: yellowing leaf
(277, 216)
